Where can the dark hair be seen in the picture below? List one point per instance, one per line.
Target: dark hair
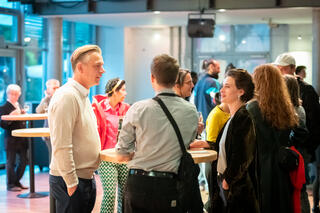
(109, 89)
(243, 80)
(181, 76)
(299, 69)
(229, 67)
(165, 70)
(206, 63)
(194, 77)
(293, 89)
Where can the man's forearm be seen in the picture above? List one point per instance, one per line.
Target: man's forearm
(124, 157)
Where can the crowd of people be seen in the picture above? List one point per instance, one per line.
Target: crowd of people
(264, 127)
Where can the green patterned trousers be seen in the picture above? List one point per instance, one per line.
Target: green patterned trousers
(112, 175)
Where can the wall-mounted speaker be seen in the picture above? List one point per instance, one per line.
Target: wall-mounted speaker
(200, 27)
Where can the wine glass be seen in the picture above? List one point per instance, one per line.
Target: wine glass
(26, 108)
(200, 120)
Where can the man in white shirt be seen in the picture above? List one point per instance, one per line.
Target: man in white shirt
(74, 135)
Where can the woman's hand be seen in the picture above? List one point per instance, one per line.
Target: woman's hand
(225, 185)
(199, 144)
(200, 127)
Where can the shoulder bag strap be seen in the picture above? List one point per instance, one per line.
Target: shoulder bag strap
(173, 122)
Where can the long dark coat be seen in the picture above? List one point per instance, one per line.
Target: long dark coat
(275, 188)
(240, 173)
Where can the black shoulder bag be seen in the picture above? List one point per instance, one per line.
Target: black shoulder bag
(188, 171)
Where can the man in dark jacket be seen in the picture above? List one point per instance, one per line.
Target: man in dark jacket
(14, 146)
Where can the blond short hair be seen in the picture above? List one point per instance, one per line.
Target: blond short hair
(52, 82)
(80, 53)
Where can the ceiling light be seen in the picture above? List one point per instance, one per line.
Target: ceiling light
(156, 36)
(299, 37)
(156, 12)
(222, 37)
(222, 10)
(243, 41)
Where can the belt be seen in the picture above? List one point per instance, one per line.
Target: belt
(140, 172)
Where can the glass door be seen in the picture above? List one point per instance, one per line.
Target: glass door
(7, 76)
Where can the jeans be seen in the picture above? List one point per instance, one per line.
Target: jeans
(82, 200)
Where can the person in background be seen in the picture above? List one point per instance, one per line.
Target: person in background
(300, 133)
(74, 135)
(310, 102)
(206, 88)
(274, 117)
(147, 139)
(301, 72)
(52, 85)
(14, 146)
(109, 110)
(184, 84)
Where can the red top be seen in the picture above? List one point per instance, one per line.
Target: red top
(108, 120)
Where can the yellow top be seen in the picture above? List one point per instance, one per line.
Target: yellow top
(215, 121)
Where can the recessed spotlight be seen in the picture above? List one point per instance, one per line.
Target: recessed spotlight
(222, 10)
(299, 37)
(156, 12)
(156, 36)
(243, 41)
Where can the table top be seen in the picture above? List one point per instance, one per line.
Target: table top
(32, 132)
(24, 117)
(198, 155)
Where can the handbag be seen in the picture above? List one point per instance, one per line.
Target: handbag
(188, 171)
(288, 158)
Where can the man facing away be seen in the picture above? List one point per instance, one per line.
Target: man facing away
(149, 141)
(206, 88)
(74, 135)
(14, 146)
(52, 85)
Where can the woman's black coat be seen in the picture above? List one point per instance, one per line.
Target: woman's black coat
(240, 173)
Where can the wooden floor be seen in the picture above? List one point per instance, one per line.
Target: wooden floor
(10, 203)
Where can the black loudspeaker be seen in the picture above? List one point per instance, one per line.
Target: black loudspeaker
(201, 28)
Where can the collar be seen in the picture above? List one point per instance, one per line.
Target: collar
(166, 90)
(108, 106)
(83, 91)
(15, 105)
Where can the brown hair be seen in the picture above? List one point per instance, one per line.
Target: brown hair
(181, 76)
(293, 89)
(273, 97)
(80, 53)
(165, 69)
(243, 80)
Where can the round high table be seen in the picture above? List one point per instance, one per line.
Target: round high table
(198, 155)
(29, 133)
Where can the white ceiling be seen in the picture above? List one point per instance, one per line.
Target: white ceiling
(278, 16)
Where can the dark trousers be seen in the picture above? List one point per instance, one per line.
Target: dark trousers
(144, 194)
(15, 172)
(82, 200)
(316, 184)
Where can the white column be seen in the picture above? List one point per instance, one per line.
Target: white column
(54, 67)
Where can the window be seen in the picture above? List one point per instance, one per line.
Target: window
(11, 5)
(8, 27)
(34, 57)
(252, 38)
(246, 46)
